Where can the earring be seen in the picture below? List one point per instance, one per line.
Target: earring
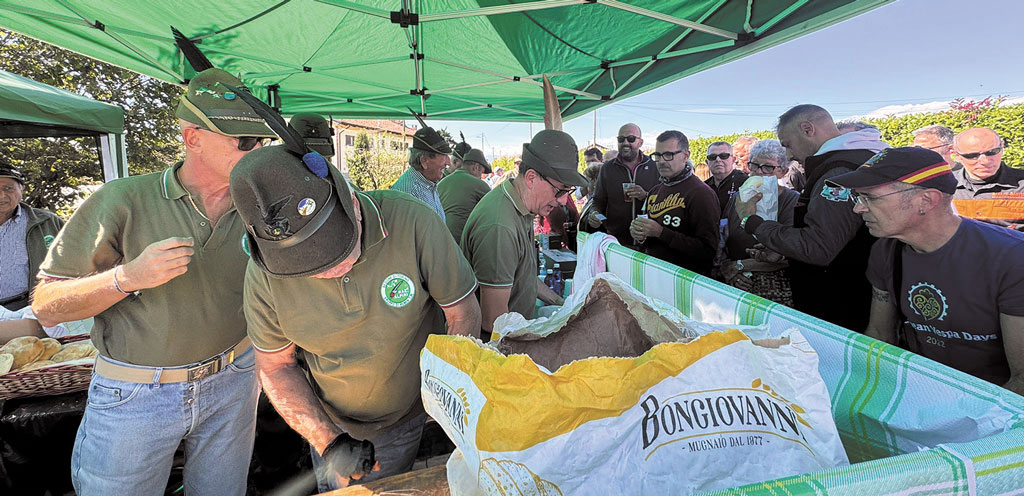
(920, 212)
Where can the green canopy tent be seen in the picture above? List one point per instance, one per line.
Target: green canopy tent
(450, 59)
(29, 109)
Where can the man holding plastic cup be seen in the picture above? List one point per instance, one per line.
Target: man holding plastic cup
(680, 222)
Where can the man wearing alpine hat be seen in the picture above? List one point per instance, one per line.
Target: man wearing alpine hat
(355, 282)
(316, 132)
(428, 158)
(952, 286)
(461, 190)
(157, 260)
(458, 155)
(498, 238)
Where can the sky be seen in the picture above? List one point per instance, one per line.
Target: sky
(909, 52)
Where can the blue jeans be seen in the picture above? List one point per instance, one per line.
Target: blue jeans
(395, 450)
(129, 433)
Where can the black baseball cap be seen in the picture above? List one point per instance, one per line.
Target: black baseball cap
(910, 164)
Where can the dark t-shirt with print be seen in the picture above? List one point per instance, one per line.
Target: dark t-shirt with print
(951, 298)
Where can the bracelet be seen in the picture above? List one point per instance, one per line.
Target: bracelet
(118, 286)
(743, 222)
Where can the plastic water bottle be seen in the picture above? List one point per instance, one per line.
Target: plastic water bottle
(557, 284)
(549, 279)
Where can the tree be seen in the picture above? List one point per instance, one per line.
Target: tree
(372, 165)
(55, 168)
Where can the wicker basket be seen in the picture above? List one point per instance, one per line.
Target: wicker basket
(48, 381)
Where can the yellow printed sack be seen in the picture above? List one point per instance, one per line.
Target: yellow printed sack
(701, 409)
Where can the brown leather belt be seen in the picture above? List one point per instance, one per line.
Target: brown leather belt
(145, 375)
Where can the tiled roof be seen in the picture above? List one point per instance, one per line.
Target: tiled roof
(376, 124)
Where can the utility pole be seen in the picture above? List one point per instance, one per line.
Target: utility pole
(595, 127)
(530, 138)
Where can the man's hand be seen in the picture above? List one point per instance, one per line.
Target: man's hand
(749, 207)
(642, 228)
(347, 459)
(736, 278)
(593, 221)
(762, 254)
(159, 262)
(635, 192)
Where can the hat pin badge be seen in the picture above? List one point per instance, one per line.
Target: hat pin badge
(307, 206)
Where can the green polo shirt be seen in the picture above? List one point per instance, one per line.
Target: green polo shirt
(187, 319)
(361, 334)
(498, 241)
(460, 192)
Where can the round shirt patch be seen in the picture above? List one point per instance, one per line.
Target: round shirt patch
(397, 290)
(927, 301)
(307, 206)
(47, 240)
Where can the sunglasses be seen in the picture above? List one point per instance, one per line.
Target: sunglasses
(559, 192)
(666, 156)
(245, 143)
(971, 156)
(629, 138)
(721, 156)
(763, 167)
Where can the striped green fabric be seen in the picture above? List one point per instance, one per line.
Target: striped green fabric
(909, 425)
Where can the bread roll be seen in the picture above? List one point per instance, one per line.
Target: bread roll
(74, 351)
(37, 364)
(25, 349)
(50, 346)
(6, 361)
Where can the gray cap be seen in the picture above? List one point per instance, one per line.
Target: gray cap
(554, 154)
(475, 155)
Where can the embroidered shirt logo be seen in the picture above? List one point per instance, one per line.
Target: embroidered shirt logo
(245, 245)
(927, 301)
(835, 193)
(48, 240)
(656, 208)
(397, 290)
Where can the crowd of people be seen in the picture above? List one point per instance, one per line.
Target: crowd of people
(248, 266)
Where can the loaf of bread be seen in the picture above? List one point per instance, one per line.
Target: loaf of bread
(75, 351)
(37, 364)
(25, 349)
(6, 361)
(50, 347)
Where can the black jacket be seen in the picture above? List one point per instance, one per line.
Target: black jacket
(994, 199)
(609, 200)
(828, 245)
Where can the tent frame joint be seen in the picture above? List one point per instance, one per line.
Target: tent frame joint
(404, 18)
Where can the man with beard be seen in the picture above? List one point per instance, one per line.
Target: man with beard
(828, 245)
(681, 226)
(622, 185)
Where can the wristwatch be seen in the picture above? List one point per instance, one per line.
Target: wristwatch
(739, 265)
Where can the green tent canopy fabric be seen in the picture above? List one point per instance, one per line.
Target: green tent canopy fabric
(31, 109)
(449, 59)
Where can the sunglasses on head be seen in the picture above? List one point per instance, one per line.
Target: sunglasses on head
(666, 156)
(988, 153)
(722, 156)
(629, 138)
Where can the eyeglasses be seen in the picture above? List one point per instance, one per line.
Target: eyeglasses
(722, 156)
(666, 156)
(862, 199)
(971, 156)
(245, 143)
(763, 167)
(629, 138)
(559, 192)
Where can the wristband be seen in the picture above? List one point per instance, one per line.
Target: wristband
(743, 223)
(118, 286)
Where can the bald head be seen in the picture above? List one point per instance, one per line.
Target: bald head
(980, 150)
(629, 151)
(804, 128)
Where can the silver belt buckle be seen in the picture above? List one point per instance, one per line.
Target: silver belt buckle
(204, 369)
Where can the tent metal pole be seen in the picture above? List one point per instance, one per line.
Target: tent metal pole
(43, 14)
(251, 57)
(477, 85)
(363, 9)
(362, 63)
(588, 85)
(499, 107)
(675, 53)
(435, 114)
(360, 81)
(667, 18)
(780, 17)
(513, 78)
(124, 42)
(499, 9)
(341, 100)
(562, 73)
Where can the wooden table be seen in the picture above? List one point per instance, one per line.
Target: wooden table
(431, 481)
